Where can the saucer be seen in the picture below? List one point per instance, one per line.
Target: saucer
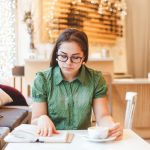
(86, 137)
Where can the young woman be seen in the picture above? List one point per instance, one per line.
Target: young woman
(65, 94)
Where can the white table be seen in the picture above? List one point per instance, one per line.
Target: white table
(131, 141)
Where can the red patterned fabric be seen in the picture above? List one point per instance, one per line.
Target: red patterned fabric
(18, 98)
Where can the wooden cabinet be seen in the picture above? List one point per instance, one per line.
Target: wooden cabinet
(32, 66)
(104, 65)
(141, 122)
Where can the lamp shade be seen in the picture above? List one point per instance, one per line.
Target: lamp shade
(18, 71)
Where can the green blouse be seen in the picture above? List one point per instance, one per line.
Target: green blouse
(69, 103)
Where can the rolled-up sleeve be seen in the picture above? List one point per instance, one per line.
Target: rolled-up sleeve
(100, 86)
(39, 93)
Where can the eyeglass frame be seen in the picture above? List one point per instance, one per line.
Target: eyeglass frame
(67, 57)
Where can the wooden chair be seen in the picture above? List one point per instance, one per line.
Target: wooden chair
(131, 98)
(18, 71)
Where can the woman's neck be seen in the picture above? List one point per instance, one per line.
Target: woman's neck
(69, 77)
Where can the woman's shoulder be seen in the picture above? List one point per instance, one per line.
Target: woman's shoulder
(94, 76)
(92, 72)
(46, 74)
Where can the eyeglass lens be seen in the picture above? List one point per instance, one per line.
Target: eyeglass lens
(74, 59)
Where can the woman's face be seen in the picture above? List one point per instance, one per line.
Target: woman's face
(70, 58)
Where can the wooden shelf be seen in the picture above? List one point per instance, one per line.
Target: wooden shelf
(104, 28)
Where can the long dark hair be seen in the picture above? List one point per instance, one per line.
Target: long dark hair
(69, 35)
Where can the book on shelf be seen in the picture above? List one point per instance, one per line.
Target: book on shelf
(27, 133)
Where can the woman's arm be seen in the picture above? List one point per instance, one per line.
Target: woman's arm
(38, 109)
(40, 117)
(101, 111)
(103, 118)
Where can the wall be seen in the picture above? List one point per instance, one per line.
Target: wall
(138, 37)
(118, 51)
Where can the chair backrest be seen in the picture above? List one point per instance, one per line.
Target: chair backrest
(131, 98)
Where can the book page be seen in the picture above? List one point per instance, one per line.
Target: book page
(24, 133)
(27, 133)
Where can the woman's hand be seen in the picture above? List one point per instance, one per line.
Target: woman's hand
(116, 131)
(45, 126)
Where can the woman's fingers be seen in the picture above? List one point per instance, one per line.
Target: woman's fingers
(119, 136)
(115, 126)
(38, 131)
(116, 134)
(50, 131)
(43, 132)
(55, 131)
(47, 131)
(116, 131)
(45, 126)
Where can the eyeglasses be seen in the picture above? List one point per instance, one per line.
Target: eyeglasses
(74, 59)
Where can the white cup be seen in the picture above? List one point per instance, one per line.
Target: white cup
(98, 132)
(104, 53)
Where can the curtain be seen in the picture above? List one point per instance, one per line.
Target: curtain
(7, 38)
(138, 37)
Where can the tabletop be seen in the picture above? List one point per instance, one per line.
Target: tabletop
(130, 141)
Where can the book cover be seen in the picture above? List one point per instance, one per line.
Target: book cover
(26, 133)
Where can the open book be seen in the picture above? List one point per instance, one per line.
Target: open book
(26, 133)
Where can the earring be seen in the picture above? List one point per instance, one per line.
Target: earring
(83, 62)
